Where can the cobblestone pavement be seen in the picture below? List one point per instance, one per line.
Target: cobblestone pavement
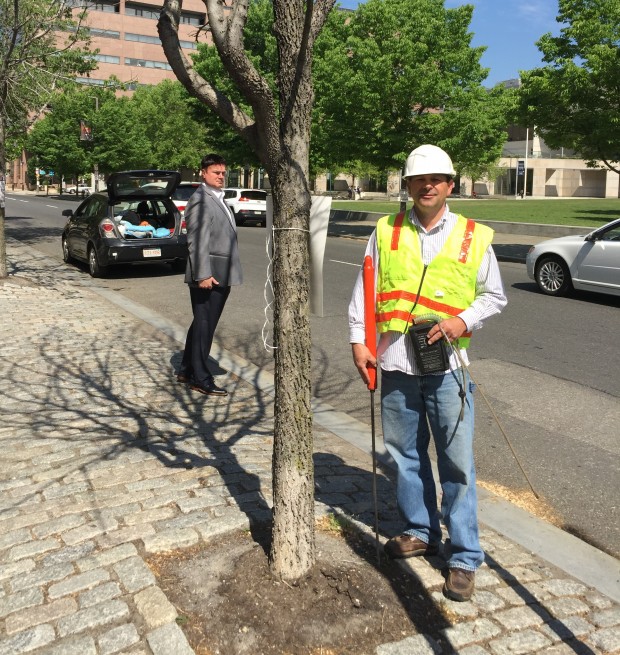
(105, 460)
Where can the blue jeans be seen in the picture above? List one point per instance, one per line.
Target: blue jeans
(409, 404)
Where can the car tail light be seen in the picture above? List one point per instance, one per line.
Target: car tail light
(108, 229)
(244, 199)
(183, 227)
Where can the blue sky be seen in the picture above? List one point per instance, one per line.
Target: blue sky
(508, 29)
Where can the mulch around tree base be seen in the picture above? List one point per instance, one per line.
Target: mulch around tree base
(229, 603)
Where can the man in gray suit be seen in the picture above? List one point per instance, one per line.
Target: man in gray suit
(213, 266)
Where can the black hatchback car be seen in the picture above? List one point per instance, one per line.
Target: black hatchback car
(134, 221)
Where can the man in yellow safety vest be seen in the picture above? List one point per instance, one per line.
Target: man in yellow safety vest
(436, 280)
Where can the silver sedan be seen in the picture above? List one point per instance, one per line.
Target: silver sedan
(588, 263)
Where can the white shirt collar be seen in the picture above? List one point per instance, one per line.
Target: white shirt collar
(218, 193)
(438, 226)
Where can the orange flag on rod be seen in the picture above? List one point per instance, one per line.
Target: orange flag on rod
(369, 317)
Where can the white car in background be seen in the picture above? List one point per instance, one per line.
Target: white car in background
(79, 189)
(247, 205)
(183, 193)
(588, 263)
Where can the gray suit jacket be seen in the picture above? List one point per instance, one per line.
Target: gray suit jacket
(211, 241)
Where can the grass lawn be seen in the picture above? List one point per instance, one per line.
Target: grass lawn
(589, 212)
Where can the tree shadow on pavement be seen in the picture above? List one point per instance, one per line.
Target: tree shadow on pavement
(539, 599)
(95, 397)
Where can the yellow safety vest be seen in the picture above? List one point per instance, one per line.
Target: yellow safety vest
(449, 284)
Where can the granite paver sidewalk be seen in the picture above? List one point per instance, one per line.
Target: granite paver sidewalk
(105, 460)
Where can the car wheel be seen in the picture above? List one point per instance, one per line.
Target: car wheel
(94, 267)
(66, 255)
(553, 276)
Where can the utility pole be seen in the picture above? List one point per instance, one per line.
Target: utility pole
(96, 165)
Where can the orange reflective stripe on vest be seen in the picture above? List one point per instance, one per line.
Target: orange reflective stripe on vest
(398, 223)
(427, 302)
(467, 237)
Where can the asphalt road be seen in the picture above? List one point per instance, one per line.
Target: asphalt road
(550, 367)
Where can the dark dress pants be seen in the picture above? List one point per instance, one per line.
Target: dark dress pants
(207, 307)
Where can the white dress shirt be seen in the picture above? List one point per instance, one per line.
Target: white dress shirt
(220, 195)
(394, 351)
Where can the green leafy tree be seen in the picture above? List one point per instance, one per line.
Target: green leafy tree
(54, 141)
(41, 45)
(119, 140)
(166, 115)
(359, 73)
(407, 74)
(573, 101)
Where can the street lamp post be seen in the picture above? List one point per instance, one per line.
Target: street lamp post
(527, 141)
(96, 165)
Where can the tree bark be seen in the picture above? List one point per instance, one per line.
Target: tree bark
(292, 548)
(4, 270)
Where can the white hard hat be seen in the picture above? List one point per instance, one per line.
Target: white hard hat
(428, 159)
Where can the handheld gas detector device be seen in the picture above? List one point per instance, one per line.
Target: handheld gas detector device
(429, 358)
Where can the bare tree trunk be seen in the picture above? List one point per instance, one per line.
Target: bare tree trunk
(3, 263)
(292, 548)
(279, 134)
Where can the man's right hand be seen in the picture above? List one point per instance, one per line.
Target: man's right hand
(363, 360)
(209, 283)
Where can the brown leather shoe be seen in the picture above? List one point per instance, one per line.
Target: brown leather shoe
(459, 584)
(183, 379)
(406, 545)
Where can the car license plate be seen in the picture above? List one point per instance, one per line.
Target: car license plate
(151, 252)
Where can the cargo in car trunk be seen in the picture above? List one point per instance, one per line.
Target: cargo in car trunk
(145, 219)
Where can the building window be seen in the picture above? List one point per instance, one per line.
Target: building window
(90, 81)
(378, 184)
(188, 18)
(142, 38)
(143, 11)
(108, 59)
(147, 11)
(145, 38)
(99, 5)
(146, 63)
(106, 34)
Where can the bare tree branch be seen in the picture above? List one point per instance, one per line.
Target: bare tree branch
(234, 57)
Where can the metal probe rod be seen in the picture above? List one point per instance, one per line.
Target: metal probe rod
(486, 400)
